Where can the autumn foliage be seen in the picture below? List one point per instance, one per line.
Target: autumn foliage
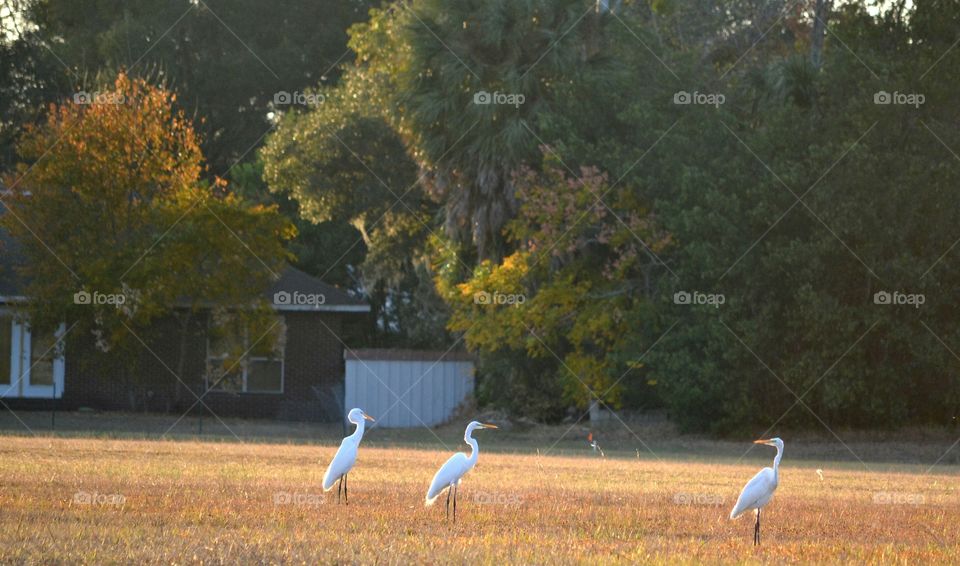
(565, 293)
(110, 197)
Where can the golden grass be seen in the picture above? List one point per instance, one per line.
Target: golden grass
(192, 502)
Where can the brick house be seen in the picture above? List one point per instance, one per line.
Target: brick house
(303, 379)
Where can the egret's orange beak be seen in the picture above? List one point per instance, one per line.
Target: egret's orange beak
(489, 426)
(369, 418)
(761, 441)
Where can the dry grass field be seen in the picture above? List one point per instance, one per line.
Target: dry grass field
(83, 500)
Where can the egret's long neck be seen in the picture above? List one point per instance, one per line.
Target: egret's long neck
(358, 433)
(475, 452)
(776, 462)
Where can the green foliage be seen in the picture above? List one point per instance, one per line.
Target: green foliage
(341, 162)
(552, 234)
(225, 59)
(800, 314)
(143, 226)
(719, 193)
(328, 250)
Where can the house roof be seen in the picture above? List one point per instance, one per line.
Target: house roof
(294, 290)
(298, 291)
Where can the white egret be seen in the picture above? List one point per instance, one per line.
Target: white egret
(759, 490)
(346, 455)
(449, 475)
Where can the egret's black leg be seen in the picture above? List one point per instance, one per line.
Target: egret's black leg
(456, 491)
(756, 530)
(339, 488)
(449, 489)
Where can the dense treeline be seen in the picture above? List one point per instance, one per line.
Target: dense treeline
(741, 212)
(786, 195)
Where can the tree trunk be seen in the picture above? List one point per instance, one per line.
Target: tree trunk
(821, 14)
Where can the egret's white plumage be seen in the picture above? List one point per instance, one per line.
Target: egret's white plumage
(759, 490)
(346, 455)
(451, 472)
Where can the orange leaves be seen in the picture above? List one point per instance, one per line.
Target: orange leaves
(111, 189)
(128, 138)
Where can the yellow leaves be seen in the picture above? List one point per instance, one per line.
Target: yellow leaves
(587, 368)
(506, 278)
(598, 324)
(557, 317)
(466, 290)
(491, 306)
(125, 167)
(517, 261)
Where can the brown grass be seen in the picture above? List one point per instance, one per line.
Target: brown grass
(192, 502)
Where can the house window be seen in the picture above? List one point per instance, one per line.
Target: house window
(247, 361)
(43, 352)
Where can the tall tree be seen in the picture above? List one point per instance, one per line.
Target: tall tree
(468, 81)
(341, 162)
(147, 237)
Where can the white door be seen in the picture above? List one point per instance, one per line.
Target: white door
(31, 365)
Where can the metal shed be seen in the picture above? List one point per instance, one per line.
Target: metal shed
(407, 388)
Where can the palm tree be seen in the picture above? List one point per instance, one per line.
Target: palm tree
(477, 75)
